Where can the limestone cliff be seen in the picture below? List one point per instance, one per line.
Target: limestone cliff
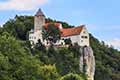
(87, 62)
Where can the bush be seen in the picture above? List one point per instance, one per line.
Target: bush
(72, 76)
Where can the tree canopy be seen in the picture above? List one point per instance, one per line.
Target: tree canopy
(71, 76)
(51, 33)
(18, 61)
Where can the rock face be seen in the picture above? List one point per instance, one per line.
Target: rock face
(87, 62)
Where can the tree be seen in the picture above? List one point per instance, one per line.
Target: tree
(107, 60)
(39, 46)
(72, 76)
(17, 63)
(68, 41)
(51, 33)
(1, 30)
(19, 26)
(48, 72)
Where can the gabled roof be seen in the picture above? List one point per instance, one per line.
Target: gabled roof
(71, 31)
(39, 13)
(65, 32)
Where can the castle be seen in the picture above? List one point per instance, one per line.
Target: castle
(77, 35)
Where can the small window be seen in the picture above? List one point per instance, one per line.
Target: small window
(61, 43)
(82, 36)
(86, 37)
(81, 40)
(47, 42)
(30, 37)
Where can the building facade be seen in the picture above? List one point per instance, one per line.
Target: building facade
(78, 34)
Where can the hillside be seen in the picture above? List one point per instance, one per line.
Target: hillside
(107, 61)
(18, 61)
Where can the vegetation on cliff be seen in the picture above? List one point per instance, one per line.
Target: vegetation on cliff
(18, 61)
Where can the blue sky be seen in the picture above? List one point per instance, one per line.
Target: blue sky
(101, 17)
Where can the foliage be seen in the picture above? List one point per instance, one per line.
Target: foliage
(39, 46)
(51, 33)
(18, 61)
(72, 76)
(67, 41)
(19, 27)
(1, 30)
(49, 72)
(107, 60)
(66, 60)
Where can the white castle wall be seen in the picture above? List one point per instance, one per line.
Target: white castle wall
(35, 36)
(80, 39)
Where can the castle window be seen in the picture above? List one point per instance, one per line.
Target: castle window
(81, 40)
(30, 37)
(47, 42)
(61, 43)
(84, 37)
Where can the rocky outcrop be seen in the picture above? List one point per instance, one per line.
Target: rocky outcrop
(87, 62)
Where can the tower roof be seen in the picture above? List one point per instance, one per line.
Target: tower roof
(39, 13)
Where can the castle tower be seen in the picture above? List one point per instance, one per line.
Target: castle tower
(39, 20)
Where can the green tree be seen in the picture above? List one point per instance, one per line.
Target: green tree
(51, 33)
(68, 41)
(107, 60)
(49, 72)
(40, 46)
(72, 76)
(17, 63)
(19, 27)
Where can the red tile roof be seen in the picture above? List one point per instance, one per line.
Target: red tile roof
(55, 24)
(71, 31)
(68, 31)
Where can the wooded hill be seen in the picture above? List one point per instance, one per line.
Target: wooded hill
(18, 61)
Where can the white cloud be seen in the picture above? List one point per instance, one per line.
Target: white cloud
(21, 4)
(114, 42)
